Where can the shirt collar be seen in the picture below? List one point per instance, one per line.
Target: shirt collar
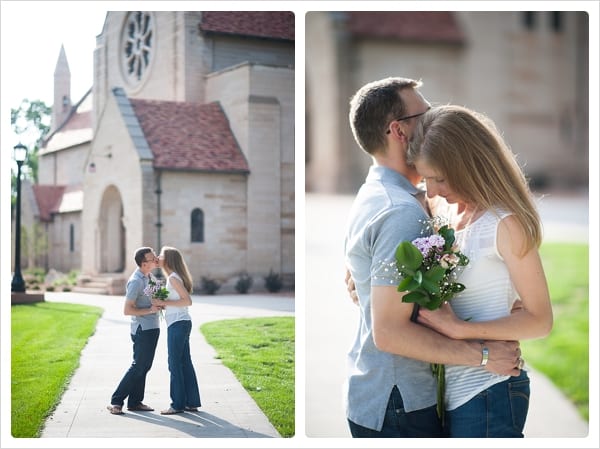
(141, 275)
(387, 175)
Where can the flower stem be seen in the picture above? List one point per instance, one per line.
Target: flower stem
(439, 371)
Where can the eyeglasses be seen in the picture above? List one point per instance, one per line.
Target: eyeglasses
(408, 117)
(151, 260)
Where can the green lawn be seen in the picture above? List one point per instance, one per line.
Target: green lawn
(563, 356)
(260, 352)
(47, 339)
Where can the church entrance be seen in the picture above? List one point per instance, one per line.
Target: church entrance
(111, 244)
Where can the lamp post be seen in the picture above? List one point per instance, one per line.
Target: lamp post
(18, 284)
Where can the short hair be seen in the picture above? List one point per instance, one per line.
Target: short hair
(374, 106)
(140, 254)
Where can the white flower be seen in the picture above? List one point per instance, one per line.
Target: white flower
(449, 261)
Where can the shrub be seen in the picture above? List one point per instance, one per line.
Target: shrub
(244, 283)
(210, 286)
(273, 282)
(34, 276)
(72, 277)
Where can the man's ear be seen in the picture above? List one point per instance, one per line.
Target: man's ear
(399, 133)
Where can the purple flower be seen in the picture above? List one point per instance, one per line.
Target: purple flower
(426, 244)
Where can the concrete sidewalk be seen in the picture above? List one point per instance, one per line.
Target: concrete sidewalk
(227, 409)
(332, 318)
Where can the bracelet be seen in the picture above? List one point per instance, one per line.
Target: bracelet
(485, 354)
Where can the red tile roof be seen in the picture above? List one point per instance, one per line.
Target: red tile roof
(48, 198)
(265, 24)
(189, 136)
(78, 120)
(425, 26)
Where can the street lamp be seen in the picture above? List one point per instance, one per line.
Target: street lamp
(18, 284)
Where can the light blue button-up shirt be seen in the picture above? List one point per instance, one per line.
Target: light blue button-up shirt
(385, 212)
(135, 291)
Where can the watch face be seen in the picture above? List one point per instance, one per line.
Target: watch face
(137, 46)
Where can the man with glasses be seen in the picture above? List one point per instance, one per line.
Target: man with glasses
(145, 329)
(390, 391)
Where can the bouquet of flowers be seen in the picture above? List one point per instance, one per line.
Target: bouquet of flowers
(429, 269)
(156, 289)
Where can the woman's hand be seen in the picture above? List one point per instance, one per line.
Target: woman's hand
(155, 308)
(158, 303)
(351, 287)
(442, 320)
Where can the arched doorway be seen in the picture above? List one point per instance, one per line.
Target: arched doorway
(111, 242)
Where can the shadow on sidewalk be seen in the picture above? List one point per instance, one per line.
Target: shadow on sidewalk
(198, 424)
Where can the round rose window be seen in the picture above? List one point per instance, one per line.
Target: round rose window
(137, 46)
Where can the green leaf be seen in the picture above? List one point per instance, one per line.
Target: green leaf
(432, 278)
(418, 296)
(457, 287)
(435, 274)
(432, 288)
(435, 302)
(408, 284)
(419, 277)
(448, 234)
(408, 256)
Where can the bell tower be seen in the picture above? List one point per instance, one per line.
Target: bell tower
(62, 91)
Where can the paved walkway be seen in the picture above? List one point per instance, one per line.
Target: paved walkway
(332, 317)
(227, 409)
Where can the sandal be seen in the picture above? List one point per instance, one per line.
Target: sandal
(115, 409)
(141, 408)
(170, 411)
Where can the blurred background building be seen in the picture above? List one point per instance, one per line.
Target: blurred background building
(528, 71)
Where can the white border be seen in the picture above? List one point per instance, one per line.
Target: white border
(300, 441)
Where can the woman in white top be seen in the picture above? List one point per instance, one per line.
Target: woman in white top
(462, 158)
(185, 394)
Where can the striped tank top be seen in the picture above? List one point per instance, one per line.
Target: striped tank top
(489, 294)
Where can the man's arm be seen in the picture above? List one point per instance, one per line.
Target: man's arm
(394, 332)
(131, 309)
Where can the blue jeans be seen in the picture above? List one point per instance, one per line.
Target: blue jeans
(397, 423)
(184, 385)
(133, 384)
(498, 412)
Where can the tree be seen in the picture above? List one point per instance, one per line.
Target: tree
(31, 120)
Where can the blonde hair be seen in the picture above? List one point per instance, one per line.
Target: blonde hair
(468, 151)
(173, 262)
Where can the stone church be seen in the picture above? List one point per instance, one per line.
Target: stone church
(186, 139)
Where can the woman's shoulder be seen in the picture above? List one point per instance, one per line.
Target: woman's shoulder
(495, 215)
(175, 275)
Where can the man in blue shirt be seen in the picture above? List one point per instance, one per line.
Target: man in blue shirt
(145, 330)
(390, 391)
